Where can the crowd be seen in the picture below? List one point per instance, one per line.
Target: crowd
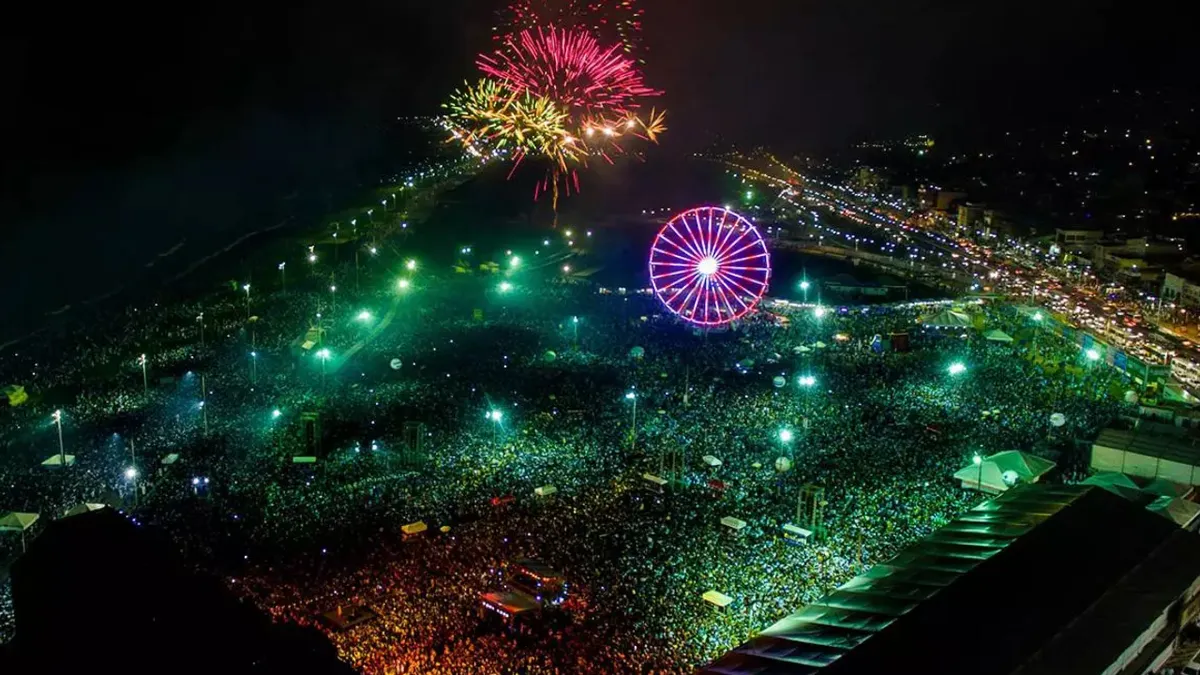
(512, 395)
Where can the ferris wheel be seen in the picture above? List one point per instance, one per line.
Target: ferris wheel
(709, 266)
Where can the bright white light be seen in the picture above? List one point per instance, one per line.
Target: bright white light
(131, 473)
(1093, 355)
(956, 368)
(505, 287)
(364, 315)
(323, 355)
(410, 265)
(819, 312)
(804, 285)
(785, 435)
(403, 283)
(807, 380)
(707, 266)
(495, 415)
(276, 413)
(631, 396)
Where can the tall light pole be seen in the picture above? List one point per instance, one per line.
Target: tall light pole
(200, 319)
(496, 417)
(785, 437)
(979, 463)
(283, 276)
(253, 367)
(384, 202)
(804, 287)
(369, 216)
(575, 326)
(145, 379)
(246, 287)
(632, 396)
(62, 454)
(324, 356)
(131, 474)
(204, 401)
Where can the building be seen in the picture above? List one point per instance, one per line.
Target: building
(1075, 239)
(1042, 580)
(970, 215)
(1181, 289)
(948, 198)
(1150, 450)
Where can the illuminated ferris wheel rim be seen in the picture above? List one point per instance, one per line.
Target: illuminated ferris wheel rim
(709, 266)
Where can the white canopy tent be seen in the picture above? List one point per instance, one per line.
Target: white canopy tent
(997, 335)
(56, 461)
(717, 598)
(15, 521)
(1002, 471)
(947, 318)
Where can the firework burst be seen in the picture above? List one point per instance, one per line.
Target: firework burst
(568, 66)
(611, 21)
(493, 119)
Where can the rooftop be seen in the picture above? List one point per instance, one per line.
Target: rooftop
(1003, 588)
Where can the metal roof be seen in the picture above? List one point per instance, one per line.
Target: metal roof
(1002, 579)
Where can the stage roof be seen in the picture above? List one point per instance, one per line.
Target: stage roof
(981, 595)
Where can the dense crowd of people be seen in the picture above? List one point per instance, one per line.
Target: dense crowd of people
(512, 394)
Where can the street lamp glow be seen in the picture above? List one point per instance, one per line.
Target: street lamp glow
(566, 269)
(804, 285)
(312, 257)
(807, 381)
(403, 284)
(276, 413)
(819, 311)
(495, 415)
(514, 261)
(1093, 355)
(1037, 316)
(323, 354)
(410, 265)
(785, 435)
(956, 368)
(364, 315)
(574, 319)
(505, 287)
(977, 460)
(630, 396)
(130, 473)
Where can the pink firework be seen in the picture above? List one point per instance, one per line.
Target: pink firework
(709, 266)
(609, 20)
(568, 66)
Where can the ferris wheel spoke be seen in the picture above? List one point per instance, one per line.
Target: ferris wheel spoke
(685, 259)
(726, 262)
(694, 294)
(686, 244)
(749, 293)
(675, 254)
(729, 236)
(697, 236)
(737, 252)
(723, 293)
(754, 281)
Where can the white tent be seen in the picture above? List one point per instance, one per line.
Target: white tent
(56, 461)
(1180, 511)
(717, 598)
(735, 524)
(1002, 471)
(85, 507)
(997, 335)
(947, 319)
(15, 521)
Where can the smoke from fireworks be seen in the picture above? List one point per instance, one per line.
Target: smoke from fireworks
(570, 67)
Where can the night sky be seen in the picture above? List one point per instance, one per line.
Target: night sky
(147, 125)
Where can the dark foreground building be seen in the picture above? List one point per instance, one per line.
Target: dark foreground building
(1043, 580)
(97, 592)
